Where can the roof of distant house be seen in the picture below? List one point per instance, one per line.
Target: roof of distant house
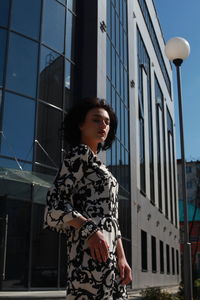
(191, 211)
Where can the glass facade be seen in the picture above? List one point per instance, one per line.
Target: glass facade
(118, 97)
(144, 95)
(37, 65)
(155, 42)
(161, 147)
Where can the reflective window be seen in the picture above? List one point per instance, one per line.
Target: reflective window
(44, 258)
(48, 135)
(69, 84)
(155, 42)
(18, 127)
(70, 28)
(108, 59)
(173, 261)
(14, 164)
(17, 243)
(153, 254)
(3, 38)
(25, 17)
(71, 4)
(144, 97)
(63, 1)
(51, 77)
(168, 259)
(53, 25)
(117, 96)
(144, 249)
(22, 65)
(177, 262)
(108, 30)
(4, 12)
(162, 266)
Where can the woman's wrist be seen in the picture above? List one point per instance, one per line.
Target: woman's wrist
(87, 229)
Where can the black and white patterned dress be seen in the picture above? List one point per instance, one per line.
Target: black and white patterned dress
(84, 186)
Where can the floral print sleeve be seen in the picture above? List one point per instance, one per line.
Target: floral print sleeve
(60, 209)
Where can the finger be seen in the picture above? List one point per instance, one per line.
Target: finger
(92, 253)
(127, 277)
(121, 270)
(98, 255)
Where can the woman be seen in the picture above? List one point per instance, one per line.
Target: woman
(83, 204)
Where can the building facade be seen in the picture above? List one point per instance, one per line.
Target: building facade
(54, 52)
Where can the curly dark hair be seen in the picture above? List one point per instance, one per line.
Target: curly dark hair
(76, 116)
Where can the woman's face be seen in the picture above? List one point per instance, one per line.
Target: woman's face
(96, 126)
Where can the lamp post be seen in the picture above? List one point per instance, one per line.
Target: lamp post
(177, 49)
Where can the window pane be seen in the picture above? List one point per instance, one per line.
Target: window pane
(3, 37)
(26, 17)
(54, 23)
(70, 27)
(51, 77)
(117, 111)
(4, 12)
(108, 58)
(122, 123)
(71, 4)
(18, 127)
(22, 65)
(144, 250)
(113, 24)
(44, 258)
(108, 92)
(113, 65)
(69, 87)
(108, 18)
(117, 33)
(117, 70)
(67, 75)
(48, 135)
(12, 163)
(17, 242)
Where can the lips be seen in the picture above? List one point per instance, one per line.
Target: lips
(102, 132)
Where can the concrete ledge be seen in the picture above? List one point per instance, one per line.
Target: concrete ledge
(33, 295)
(61, 294)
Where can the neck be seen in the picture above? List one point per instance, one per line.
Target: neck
(93, 146)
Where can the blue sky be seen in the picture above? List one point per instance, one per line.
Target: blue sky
(182, 18)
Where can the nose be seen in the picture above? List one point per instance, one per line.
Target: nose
(103, 124)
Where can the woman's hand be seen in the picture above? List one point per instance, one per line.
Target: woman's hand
(125, 271)
(98, 247)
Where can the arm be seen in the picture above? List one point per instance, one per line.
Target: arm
(60, 212)
(124, 269)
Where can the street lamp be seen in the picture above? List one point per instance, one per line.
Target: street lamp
(177, 49)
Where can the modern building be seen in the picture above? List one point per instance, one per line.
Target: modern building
(54, 52)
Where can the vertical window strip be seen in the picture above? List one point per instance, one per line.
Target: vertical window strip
(144, 66)
(144, 261)
(153, 254)
(177, 262)
(155, 42)
(161, 257)
(168, 259)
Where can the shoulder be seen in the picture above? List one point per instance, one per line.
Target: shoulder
(80, 152)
